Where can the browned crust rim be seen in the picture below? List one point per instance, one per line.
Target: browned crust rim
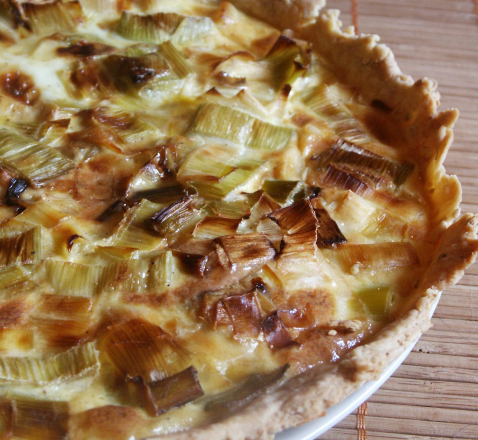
(370, 67)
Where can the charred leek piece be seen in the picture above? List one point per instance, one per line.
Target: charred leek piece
(353, 155)
(284, 191)
(76, 279)
(328, 232)
(32, 160)
(172, 392)
(14, 280)
(36, 419)
(323, 103)
(378, 256)
(20, 248)
(241, 395)
(227, 123)
(276, 333)
(174, 219)
(178, 64)
(243, 312)
(166, 194)
(51, 17)
(377, 301)
(213, 227)
(68, 365)
(245, 250)
(154, 28)
(134, 232)
(138, 348)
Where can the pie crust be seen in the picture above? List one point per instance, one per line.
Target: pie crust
(370, 67)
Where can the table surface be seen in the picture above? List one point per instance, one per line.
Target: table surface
(434, 394)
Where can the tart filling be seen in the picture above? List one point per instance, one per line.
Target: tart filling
(199, 213)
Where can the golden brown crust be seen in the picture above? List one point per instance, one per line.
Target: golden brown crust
(370, 67)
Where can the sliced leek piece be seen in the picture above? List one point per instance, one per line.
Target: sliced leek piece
(245, 250)
(20, 248)
(328, 232)
(36, 419)
(15, 279)
(192, 29)
(243, 312)
(213, 227)
(43, 212)
(171, 392)
(77, 279)
(68, 365)
(178, 64)
(148, 276)
(134, 231)
(377, 256)
(276, 333)
(239, 396)
(265, 205)
(51, 17)
(225, 122)
(322, 102)
(140, 348)
(154, 28)
(235, 209)
(355, 156)
(34, 161)
(285, 192)
(175, 219)
(162, 195)
(377, 301)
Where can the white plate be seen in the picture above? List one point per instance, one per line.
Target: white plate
(311, 430)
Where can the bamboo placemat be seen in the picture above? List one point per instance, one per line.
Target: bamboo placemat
(434, 394)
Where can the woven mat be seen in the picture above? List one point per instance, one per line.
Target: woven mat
(434, 394)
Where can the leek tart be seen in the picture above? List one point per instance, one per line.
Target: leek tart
(216, 219)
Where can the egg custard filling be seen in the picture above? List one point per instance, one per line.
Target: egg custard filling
(195, 208)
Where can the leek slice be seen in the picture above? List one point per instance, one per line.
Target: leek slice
(162, 26)
(284, 191)
(154, 28)
(20, 247)
(243, 312)
(213, 227)
(265, 205)
(355, 156)
(15, 279)
(236, 209)
(171, 392)
(276, 333)
(227, 123)
(51, 17)
(43, 213)
(78, 279)
(79, 361)
(138, 348)
(377, 301)
(148, 276)
(377, 256)
(321, 101)
(180, 67)
(34, 161)
(36, 419)
(134, 231)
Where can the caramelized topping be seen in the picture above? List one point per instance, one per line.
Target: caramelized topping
(20, 87)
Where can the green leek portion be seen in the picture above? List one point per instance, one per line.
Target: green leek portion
(34, 161)
(15, 279)
(285, 192)
(377, 301)
(178, 64)
(20, 248)
(227, 123)
(71, 364)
